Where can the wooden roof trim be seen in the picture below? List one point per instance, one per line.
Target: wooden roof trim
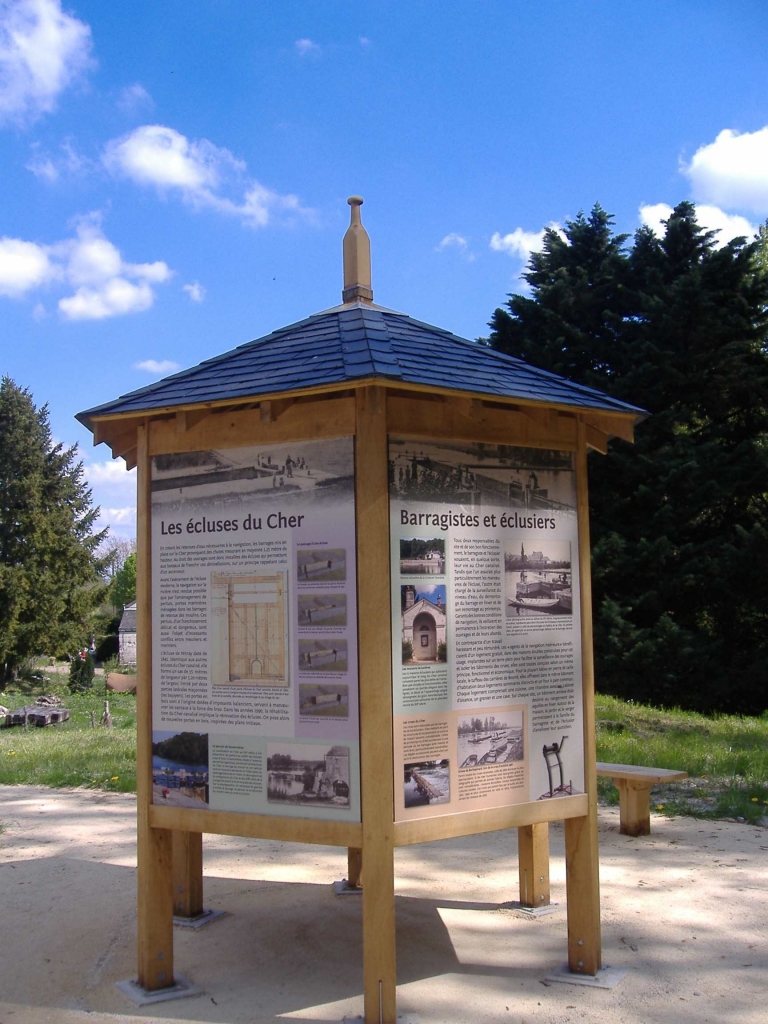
(613, 422)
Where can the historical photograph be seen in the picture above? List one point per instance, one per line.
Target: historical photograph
(318, 701)
(537, 577)
(534, 479)
(249, 629)
(427, 782)
(323, 655)
(180, 769)
(322, 609)
(487, 739)
(422, 556)
(300, 774)
(320, 564)
(306, 473)
(422, 609)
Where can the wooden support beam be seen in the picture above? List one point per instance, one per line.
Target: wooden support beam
(597, 439)
(328, 417)
(187, 873)
(354, 867)
(131, 459)
(181, 421)
(581, 845)
(533, 863)
(265, 412)
(634, 807)
(613, 424)
(375, 643)
(418, 417)
(154, 853)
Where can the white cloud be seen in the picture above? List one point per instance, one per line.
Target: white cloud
(23, 266)
(43, 50)
(203, 174)
(134, 98)
(306, 46)
(125, 516)
(364, 41)
(521, 243)
(712, 218)
(105, 284)
(112, 472)
(157, 366)
(115, 298)
(50, 169)
(195, 291)
(732, 171)
(452, 241)
(458, 242)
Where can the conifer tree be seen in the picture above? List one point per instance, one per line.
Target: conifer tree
(677, 326)
(51, 577)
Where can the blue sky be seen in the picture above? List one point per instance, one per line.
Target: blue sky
(174, 174)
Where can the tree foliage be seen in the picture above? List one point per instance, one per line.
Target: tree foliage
(50, 573)
(122, 589)
(676, 325)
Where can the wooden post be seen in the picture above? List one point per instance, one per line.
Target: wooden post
(187, 873)
(634, 807)
(354, 867)
(533, 863)
(375, 638)
(581, 849)
(154, 856)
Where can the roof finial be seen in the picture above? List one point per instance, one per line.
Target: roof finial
(357, 257)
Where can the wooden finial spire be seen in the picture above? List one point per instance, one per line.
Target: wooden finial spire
(357, 257)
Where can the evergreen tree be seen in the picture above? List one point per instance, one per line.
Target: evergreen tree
(678, 326)
(50, 574)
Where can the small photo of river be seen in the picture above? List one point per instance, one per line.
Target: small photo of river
(424, 557)
(427, 783)
(537, 578)
(485, 740)
(180, 769)
(308, 775)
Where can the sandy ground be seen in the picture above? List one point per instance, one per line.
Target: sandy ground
(685, 909)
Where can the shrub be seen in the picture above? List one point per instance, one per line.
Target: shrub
(407, 651)
(442, 651)
(81, 673)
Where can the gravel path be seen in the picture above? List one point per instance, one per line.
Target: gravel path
(685, 909)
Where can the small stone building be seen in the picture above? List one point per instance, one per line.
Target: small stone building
(127, 635)
(423, 625)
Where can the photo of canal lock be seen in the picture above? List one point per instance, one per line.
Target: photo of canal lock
(485, 740)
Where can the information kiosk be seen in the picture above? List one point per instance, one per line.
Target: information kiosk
(363, 610)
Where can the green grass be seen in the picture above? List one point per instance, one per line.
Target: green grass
(726, 757)
(72, 753)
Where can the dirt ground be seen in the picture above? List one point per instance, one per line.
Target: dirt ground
(685, 909)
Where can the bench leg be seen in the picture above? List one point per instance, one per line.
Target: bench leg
(533, 860)
(634, 807)
(354, 867)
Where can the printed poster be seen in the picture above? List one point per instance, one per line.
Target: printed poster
(486, 626)
(254, 630)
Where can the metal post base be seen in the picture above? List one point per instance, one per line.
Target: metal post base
(180, 989)
(606, 977)
(203, 918)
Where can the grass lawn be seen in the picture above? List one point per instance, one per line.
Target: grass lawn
(73, 753)
(725, 755)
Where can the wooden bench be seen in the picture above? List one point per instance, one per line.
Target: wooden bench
(634, 785)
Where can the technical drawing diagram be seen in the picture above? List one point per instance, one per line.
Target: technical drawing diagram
(249, 630)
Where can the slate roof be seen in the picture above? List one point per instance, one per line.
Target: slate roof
(128, 619)
(355, 342)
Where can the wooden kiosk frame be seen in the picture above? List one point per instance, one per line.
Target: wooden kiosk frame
(370, 409)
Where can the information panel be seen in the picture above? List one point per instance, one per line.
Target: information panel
(254, 630)
(486, 626)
